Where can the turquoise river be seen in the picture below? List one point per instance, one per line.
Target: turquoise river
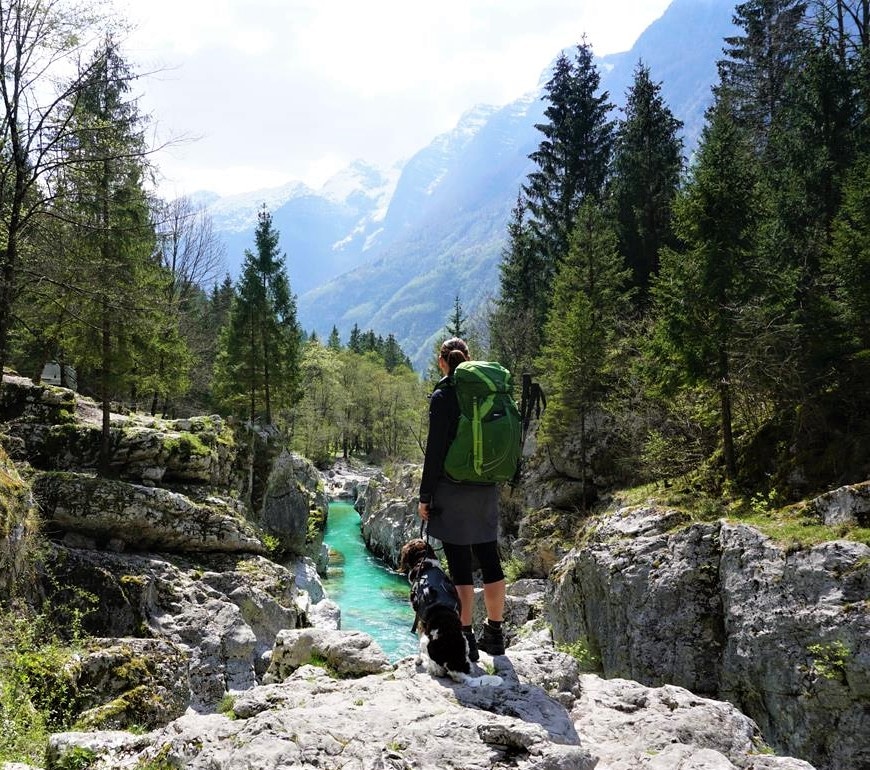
(372, 597)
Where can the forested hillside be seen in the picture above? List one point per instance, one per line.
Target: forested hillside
(706, 322)
(702, 320)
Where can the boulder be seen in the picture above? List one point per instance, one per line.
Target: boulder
(124, 683)
(136, 517)
(294, 507)
(344, 653)
(849, 506)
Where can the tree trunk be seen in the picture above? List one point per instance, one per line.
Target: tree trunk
(725, 408)
(105, 436)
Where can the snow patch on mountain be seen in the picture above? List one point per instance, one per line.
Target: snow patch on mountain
(235, 213)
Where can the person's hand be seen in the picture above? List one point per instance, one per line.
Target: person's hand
(423, 511)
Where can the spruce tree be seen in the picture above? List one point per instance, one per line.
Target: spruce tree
(574, 156)
(590, 300)
(760, 60)
(517, 319)
(121, 333)
(456, 324)
(648, 161)
(257, 367)
(706, 284)
(334, 342)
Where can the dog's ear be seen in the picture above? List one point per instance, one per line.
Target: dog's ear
(412, 553)
(403, 559)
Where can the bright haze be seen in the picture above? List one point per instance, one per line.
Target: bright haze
(264, 92)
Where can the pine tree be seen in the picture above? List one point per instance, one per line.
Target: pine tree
(704, 285)
(257, 367)
(590, 299)
(647, 166)
(573, 158)
(456, 323)
(760, 61)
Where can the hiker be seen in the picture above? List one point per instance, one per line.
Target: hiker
(462, 515)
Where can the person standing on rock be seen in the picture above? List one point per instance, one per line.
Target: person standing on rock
(462, 515)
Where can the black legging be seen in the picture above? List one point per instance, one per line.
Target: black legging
(459, 562)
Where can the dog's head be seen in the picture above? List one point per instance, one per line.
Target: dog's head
(413, 553)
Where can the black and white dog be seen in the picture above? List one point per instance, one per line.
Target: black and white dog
(436, 606)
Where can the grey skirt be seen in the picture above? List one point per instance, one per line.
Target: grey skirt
(464, 514)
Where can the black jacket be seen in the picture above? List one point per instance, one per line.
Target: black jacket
(443, 422)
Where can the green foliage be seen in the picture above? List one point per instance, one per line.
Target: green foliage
(581, 652)
(37, 691)
(352, 404)
(225, 707)
(76, 758)
(256, 370)
(829, 659)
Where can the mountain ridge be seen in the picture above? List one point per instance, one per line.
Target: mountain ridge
(393, 258)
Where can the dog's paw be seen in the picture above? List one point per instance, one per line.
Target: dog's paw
(485, 680)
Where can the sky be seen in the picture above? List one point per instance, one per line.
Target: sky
(252, 94)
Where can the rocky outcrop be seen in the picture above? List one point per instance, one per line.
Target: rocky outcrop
(546, 715)
(56, 429)
(226, 609)
(121, 516)
(346, 480)
(294, 507)
(722, 610)
(18, 525)
(125, 683)
(388, 513)
(849, 506)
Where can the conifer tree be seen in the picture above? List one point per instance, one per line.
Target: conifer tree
(590, 299)
(40, 43)
(571, 164)
(334, 342)
(518, 316)
(573, 158)
(646, 173)
(354, 342)
(120, 335)
(456, 324)
(257, 367)
(705, 284)
(759, 62)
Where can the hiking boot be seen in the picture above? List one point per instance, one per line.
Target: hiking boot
(473, 654)
(492, 640)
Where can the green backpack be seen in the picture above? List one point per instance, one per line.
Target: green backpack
(488, 441)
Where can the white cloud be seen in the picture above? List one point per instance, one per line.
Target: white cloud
(292, 89)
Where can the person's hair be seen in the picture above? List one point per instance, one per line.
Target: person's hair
(454, 351)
